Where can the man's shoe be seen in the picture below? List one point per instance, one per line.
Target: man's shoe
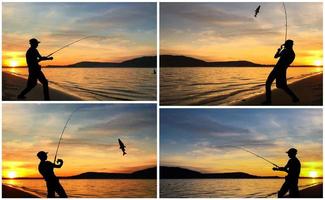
(295, 100)
(266, 103)
(21, 97)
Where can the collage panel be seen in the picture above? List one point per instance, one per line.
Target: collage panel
(241, 53)
(241, 153)
(193, 126)
(79, 150)
(79, 51)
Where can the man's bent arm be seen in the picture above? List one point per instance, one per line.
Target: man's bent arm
(58, 165)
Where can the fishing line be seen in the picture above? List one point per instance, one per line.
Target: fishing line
(258, 156)
(68, 45)
(251, 152)
(286, 18)
(65, 126)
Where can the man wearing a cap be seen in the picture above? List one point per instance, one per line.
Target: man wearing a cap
(291, 180)
(33, 57)
(46, 168)
(279, 72)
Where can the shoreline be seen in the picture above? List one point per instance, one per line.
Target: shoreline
(315, 191)
(309, 90)
(8, 191)
(13, 84)
(14, 192)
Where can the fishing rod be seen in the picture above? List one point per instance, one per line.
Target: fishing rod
(65, 126)
(67, 45)
(258, 156)
(286, 18)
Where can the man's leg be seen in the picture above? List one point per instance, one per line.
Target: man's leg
(294, 191)
(45, 84)
(31, 83)
(60, 190)
(284, 189)
(281, 83)
(50, 190)
(268, 84)
(290, 93)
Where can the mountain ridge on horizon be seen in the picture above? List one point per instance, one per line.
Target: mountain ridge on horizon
(165, 61)
(147, 173)
(184, 173)
(188, 61)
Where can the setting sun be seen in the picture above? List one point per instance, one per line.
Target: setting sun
(313, 174)
(13, 63)
(318, 63)
(12, 174)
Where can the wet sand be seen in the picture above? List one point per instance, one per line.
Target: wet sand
(311, 192)
(309, 91)
(11, 192)
(13, 85)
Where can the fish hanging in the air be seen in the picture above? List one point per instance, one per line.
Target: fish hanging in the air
(122, 146)
(257, 10)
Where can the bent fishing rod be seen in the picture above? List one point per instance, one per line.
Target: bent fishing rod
(65, 126)
(65, 46)
(258, 156)
(286, 18)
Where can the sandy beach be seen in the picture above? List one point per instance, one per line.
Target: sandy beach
(11, 192)
(312, 192)
(13, 85)
(309, 91)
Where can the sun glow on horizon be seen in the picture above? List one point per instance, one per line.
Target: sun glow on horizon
(313, 174)
(318, 63)
(13, 63)
(12, 174)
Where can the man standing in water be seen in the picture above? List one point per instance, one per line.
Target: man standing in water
(33, 57)
(46, 168)
(291, 180)
(279, 72)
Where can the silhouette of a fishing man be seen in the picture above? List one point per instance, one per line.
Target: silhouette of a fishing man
(46, 168)
(286, 56)
(291, 180)
(33, 58)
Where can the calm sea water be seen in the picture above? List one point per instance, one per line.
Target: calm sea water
(218, 85)
(94, 188)
(101, 83)
(235, 188)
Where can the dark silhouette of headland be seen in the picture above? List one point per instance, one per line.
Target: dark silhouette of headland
(148, 173)
(182, 173)
(186, 61)
(140, 62)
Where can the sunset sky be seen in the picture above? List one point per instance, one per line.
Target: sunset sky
(119, 31)
(229, 31)
(89, 142)
(203, 139)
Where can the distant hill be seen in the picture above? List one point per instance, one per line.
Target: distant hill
(182, 173)
(150, 173)
(143, 62)
(184, 61)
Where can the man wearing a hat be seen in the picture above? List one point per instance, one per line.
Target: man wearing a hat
(279, 72)
(33, 57)
(291, 180)
(46, 168)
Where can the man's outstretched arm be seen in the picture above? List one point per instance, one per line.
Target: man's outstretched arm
(284, 169)
(41, 58)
